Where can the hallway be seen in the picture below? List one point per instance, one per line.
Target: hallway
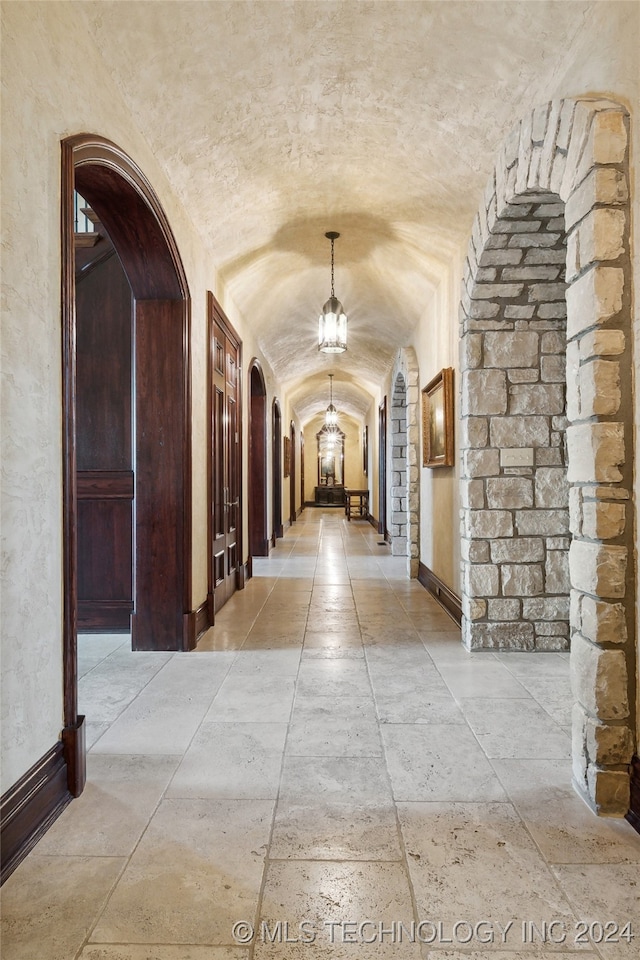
(329, 755)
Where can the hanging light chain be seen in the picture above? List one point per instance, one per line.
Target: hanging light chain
(332, 290)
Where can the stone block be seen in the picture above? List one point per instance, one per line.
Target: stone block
(607, 744)
(498, 258)
(484, 392)
(545, 256)
(526, 240)
(602, 520)
(481, 463)
(603, 186)
(554, 342)
(602, 343)
(550, 644)
(594, 298)
(595, 452)
(531, 272)
(599, 388)
(475, 431)
(542, 523)
(549, 457)
(546, 608)
(599, 679)
(551, 487)
(598, 569)
(610, 791)
(502, 636)
(503, 609)
(497, 291)
(472, 494)
(602, 622)
(541, 398)
(553, 369)
(488, 524)
(545, 292)
(522, 375)
(573, 380)
(479, 551)
(508, 225)
(552, 311)
(518, 311)
(473, 609)
(508, 493)
(521, 579)
(481, 580)
(607, 142)
(556, 579)
(470, 351)
(552, 628)
(519, 431)
(511, 350)
(517, 550)
(558, 543)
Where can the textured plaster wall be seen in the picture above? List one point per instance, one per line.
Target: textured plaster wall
(436, 344)
(56, 86)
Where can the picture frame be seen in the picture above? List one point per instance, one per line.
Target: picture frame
(365, 451)
(286, 460)
(438, 420)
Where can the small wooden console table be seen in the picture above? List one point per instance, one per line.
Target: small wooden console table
(356, 503)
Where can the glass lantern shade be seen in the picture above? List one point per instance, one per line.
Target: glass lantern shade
(332, 330)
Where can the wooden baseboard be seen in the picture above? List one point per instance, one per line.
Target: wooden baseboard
(197, 622)
(374, 523)
(28, 809)
(104, 616)
(75, 756)
(633, 816)
(445, 596)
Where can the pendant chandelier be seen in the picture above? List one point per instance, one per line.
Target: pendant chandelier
(332, 331)
(331, 416)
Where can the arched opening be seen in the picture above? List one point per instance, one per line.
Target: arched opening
(126, 204)
(258, 536)
(276, 467)
(541, 569)
(403, 443)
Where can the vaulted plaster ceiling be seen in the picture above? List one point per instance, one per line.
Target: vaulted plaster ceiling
(278, 121)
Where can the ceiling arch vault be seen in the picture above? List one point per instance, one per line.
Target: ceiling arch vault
(279, 121)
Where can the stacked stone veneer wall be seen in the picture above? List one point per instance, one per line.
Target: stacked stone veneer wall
(561, 175)
(405, 495)
(515, 492)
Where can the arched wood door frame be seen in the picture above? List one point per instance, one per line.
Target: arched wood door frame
(258, 535)
(292, 475)
(126, 203)
(276, 465)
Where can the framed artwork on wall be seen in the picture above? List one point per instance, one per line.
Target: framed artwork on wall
(287, 456)
(437, 420)
(365, 451)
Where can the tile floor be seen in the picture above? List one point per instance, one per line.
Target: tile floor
(332, 771)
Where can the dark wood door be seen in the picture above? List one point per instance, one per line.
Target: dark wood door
(277, 472)
(292, 476)
(105, 479)
(226, 466)
(258, 537)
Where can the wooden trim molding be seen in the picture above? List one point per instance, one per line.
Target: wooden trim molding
(633, 816)
(197, 622)
(448, 600)
(28, 809)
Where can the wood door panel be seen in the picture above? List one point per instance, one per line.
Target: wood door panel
(225, 465)
(159, 478)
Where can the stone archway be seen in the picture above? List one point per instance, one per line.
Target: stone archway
(558, 198)
(404, 445)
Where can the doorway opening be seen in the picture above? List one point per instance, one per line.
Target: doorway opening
(123, 201)
(276, 464)
(258, 536)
